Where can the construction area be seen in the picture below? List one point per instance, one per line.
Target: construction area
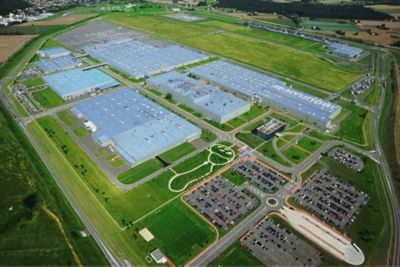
(208, 100)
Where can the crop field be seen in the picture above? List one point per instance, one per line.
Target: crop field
(47, 98)
(140, 171)
(265, 55)
(9, 44)
(28, 195)
(59, 20)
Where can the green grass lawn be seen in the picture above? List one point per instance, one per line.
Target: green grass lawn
(295, 154)
(321, 136)
(140, 171)
(117, 163)
(208, 136)
(190, 110)
(253, 113)
(34, 82)
(67, 117)
(345, 26)
(234, 177)
(316, 167)
(289, 120)
(28, 235)
(250, 139)
(81, 132)
(47, 98)
(309, 144)
(179, 232)
(254, 125)
(276, 58)
(268, 150)
(177, 152)
(235, 255)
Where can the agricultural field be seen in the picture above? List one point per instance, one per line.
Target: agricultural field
(268, 56)
(9, 44)
(67, 19)
(47, 98)
(31, 205)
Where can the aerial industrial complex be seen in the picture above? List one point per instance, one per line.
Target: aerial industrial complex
(139, 59)
(134, 126)
(208, 100)
(177, 146)
(268, 90)
(76, 82)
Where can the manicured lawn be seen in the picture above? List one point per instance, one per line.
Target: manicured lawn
(140, 171)
(333, 26)
(235, 255)
(321, 136)
(250, 139)
(296, 154)
(235, 45)
(268, 150)
(190, 110)
(254, 125)
(309, 144)
(234, 177)
(281, 142)
(67, 117)
(34, 82)
(224, 127)
(316, 167)
(118, 163)
(179, 232)
(177, 152)
(47, 98)
(254, 112)
(207, 135)
(290, 121)
(81, 132)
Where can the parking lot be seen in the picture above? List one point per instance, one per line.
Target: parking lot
(363, 86)
(275, 245)
(332, 200)
(267, 179)
(222, 203)
(348, 159)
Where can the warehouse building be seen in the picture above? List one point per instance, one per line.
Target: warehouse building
(134, 126)
(58, 64)
(344, 50)
(269, 91)
(77, 82)
(140, 59)
(270, 128)
(54, 52)
(208, 100)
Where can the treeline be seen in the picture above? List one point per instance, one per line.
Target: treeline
(306, 9)
(6, 6)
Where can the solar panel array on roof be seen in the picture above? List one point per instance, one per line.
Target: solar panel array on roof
(271, 91)
(72, 83)
(208, 100)
(57, 64)
(345, 50)
(53, 52)
(137, 127)
(140, 59)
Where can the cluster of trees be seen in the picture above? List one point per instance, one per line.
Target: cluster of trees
(6, 6)
(306, 9)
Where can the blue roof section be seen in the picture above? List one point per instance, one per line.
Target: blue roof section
(345, 50)
(208, 100)
(57, 64)
(140, 59)
(55, 51)
(138, 127)
(78, 81)
(271, 91)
